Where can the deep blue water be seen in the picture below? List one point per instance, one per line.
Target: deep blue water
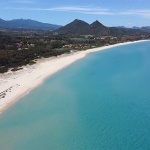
(101, 102)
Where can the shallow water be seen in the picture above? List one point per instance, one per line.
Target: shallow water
(101, 102)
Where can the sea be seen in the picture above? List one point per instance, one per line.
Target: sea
(100, 102)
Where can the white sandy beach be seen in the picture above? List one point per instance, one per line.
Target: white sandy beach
(14, 85)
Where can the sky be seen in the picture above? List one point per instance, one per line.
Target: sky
(109, 12)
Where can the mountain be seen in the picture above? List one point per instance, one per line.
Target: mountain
(121, 27)
(75, 27)
(146, 29)
(134, 27)
(97, 28)
(126, 31)
(27, 24)
(79, 27)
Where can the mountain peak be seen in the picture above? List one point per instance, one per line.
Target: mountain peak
(98, 29)
(97, 23)
(77, 21)
(80, 27)
(75, 27)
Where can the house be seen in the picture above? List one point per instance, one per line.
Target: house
(73, 51)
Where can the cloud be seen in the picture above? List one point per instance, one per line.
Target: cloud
(90, 10)
(83, 8)
(80, 9)
(99, 13)
(145, 13)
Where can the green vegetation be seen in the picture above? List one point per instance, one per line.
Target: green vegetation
(20, 47)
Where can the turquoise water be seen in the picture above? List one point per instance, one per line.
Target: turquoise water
(101, 102)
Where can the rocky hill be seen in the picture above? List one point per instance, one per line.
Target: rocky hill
(27, 24)
(79, 27)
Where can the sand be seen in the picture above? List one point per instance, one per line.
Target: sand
(14, 85)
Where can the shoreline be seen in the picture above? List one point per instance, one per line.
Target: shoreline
(14, 85)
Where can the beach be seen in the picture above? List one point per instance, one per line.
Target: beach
(14, 85)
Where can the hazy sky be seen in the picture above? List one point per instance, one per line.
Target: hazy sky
(109, 12)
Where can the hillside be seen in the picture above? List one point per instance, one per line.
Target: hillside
(97, 28)
(75, 27)
(79, 27)
(125, 31)
(146, 29)
(27, 24)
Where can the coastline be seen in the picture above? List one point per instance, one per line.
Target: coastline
(14, 85)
